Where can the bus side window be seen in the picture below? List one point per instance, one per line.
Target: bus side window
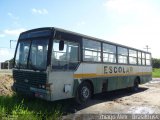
(132, 57)
(139, 58)
(73, 55)
(91, 50)
(59, 56)
(66, 59)
(109, 53)
(143, 59)
(122, 55)
(148, 59)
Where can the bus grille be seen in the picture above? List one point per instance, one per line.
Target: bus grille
(30, 78)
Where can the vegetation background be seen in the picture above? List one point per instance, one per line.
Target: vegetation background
(156, 68)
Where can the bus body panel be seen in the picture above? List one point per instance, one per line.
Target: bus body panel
(112, 75)
(62, 84)
(59, 80)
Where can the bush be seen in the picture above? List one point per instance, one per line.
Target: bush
(15, 107)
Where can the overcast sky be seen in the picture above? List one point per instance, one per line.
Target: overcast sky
(134, 23)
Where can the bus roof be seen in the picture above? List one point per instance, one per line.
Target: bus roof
(97, 39)
(81, 35)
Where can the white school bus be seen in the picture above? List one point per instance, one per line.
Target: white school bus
(54, 64)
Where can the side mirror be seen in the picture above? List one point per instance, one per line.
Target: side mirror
(61, 45)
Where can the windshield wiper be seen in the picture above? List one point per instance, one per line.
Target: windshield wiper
(33, 67)
(20, 66)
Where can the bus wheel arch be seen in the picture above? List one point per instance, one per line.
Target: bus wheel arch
(84, 92)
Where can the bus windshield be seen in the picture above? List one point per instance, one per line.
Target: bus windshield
(32, 54)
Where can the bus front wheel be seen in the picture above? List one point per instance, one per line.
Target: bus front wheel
(83, 93)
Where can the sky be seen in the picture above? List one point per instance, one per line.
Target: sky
(134, 23)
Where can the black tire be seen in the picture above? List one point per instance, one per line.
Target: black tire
(135, 87)
(83, 93)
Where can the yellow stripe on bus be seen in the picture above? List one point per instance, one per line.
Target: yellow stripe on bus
(93, 75)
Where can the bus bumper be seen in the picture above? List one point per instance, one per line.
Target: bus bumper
(31, 92)
(22, 90)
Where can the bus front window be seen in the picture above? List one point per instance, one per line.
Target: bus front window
(38, 54)
(37, 57)
(22, 54)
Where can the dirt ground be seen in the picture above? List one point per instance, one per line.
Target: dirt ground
(6, 81)
(145, 101)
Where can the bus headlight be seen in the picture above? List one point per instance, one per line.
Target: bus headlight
(46, 86)
(43, 86)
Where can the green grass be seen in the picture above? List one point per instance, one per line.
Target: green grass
(16, 108)
(156, 73)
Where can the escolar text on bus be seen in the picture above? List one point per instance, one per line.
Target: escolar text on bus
(117, 69)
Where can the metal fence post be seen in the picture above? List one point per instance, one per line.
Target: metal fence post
(8, 65)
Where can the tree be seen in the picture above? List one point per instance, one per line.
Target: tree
(155, 63)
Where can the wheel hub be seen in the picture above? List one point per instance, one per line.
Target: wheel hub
(85, 92)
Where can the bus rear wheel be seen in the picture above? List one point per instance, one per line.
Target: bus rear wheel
(135, 87)
(83, 93)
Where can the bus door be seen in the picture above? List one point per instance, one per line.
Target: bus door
(64, 60)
